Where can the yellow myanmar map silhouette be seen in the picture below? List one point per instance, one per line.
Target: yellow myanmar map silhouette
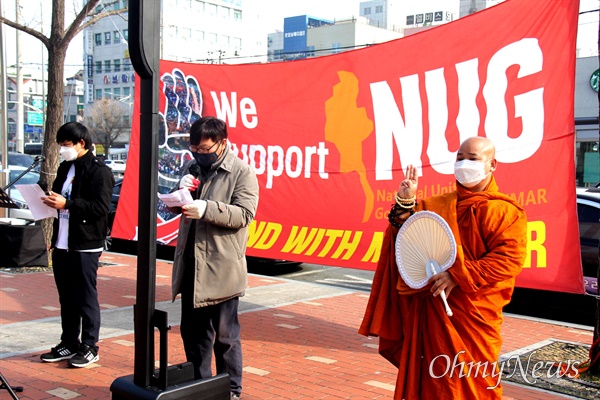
(347, 126)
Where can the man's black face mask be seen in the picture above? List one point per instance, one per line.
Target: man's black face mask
(205, 160)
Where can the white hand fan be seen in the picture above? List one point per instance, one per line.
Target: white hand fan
(425, 246)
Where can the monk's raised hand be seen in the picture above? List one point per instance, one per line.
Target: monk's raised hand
(408, 187)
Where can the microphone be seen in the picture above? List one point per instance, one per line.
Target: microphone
(39, 158)
(194, 170)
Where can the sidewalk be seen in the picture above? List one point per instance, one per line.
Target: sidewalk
(299, 339)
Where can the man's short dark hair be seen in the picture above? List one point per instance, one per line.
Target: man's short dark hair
(74, 132)
(208, 128)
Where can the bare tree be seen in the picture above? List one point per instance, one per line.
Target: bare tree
(57, 44)
(106, 118)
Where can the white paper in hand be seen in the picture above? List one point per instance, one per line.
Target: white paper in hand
(33, 194)
(178, 198)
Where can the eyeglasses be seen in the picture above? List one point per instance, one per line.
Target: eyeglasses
(202, 150)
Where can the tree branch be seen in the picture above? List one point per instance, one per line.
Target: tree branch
(78, 25)
(36, 34)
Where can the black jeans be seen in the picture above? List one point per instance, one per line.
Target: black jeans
(209, 328)
(75, 274)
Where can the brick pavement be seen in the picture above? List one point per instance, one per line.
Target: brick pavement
(306, 349)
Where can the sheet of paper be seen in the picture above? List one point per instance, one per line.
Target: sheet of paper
(33, 194)
(177, 199)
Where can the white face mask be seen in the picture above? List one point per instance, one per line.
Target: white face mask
(68, 153)
(469, 173)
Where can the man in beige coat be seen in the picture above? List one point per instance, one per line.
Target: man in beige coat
(210, 265)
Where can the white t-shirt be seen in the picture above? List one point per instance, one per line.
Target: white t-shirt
(62, 241)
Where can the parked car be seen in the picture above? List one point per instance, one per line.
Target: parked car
(29, 178)
(116, 165)
(20, 160)
(588, 214)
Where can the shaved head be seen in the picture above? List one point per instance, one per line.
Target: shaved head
(478, 146)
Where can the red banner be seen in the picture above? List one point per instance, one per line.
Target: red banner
(329, 137)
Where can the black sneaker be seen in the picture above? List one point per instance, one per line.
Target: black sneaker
(234, 396)
(58, 353)
(84, 357)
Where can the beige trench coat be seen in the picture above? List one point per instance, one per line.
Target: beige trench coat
(221, 235)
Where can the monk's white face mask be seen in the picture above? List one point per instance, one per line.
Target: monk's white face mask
(469, 173)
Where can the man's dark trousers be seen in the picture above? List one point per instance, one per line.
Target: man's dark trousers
(75, 274)
(203, 326)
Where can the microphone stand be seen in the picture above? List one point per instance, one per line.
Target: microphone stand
(36, 162)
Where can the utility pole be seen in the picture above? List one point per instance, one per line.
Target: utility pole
(4, 176)
(19, 142)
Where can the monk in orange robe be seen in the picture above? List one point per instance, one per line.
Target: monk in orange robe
(437, 356)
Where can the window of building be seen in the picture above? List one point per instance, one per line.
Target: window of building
(107, 37)
(237, 15)
(335, 48)
(117, 65)
(172, 32)
(117, 93)
(98, 39)
(587, 172)
(126, 91)
(98, 67)
(116, 37)
(107, 93)
(125, 119)
(126, 64)
(378, 9)
(367, 11)
(80, 99)
(125, 3)
(126, 34)
(224, 12)
(198, 6)
(98, 94)
(237, 44)
(211, 10)
(72, 118)
(224, 41)
(199, 36)
(212, 39)
(186, 34)
(107, 66)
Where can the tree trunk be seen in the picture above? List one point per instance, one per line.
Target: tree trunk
(57, 52)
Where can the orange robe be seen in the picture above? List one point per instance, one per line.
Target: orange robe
(441, 357)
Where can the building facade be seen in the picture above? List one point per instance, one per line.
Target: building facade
(410, 17)
(33, 88)
(304, 36)
(73, 99)
(587, 158)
